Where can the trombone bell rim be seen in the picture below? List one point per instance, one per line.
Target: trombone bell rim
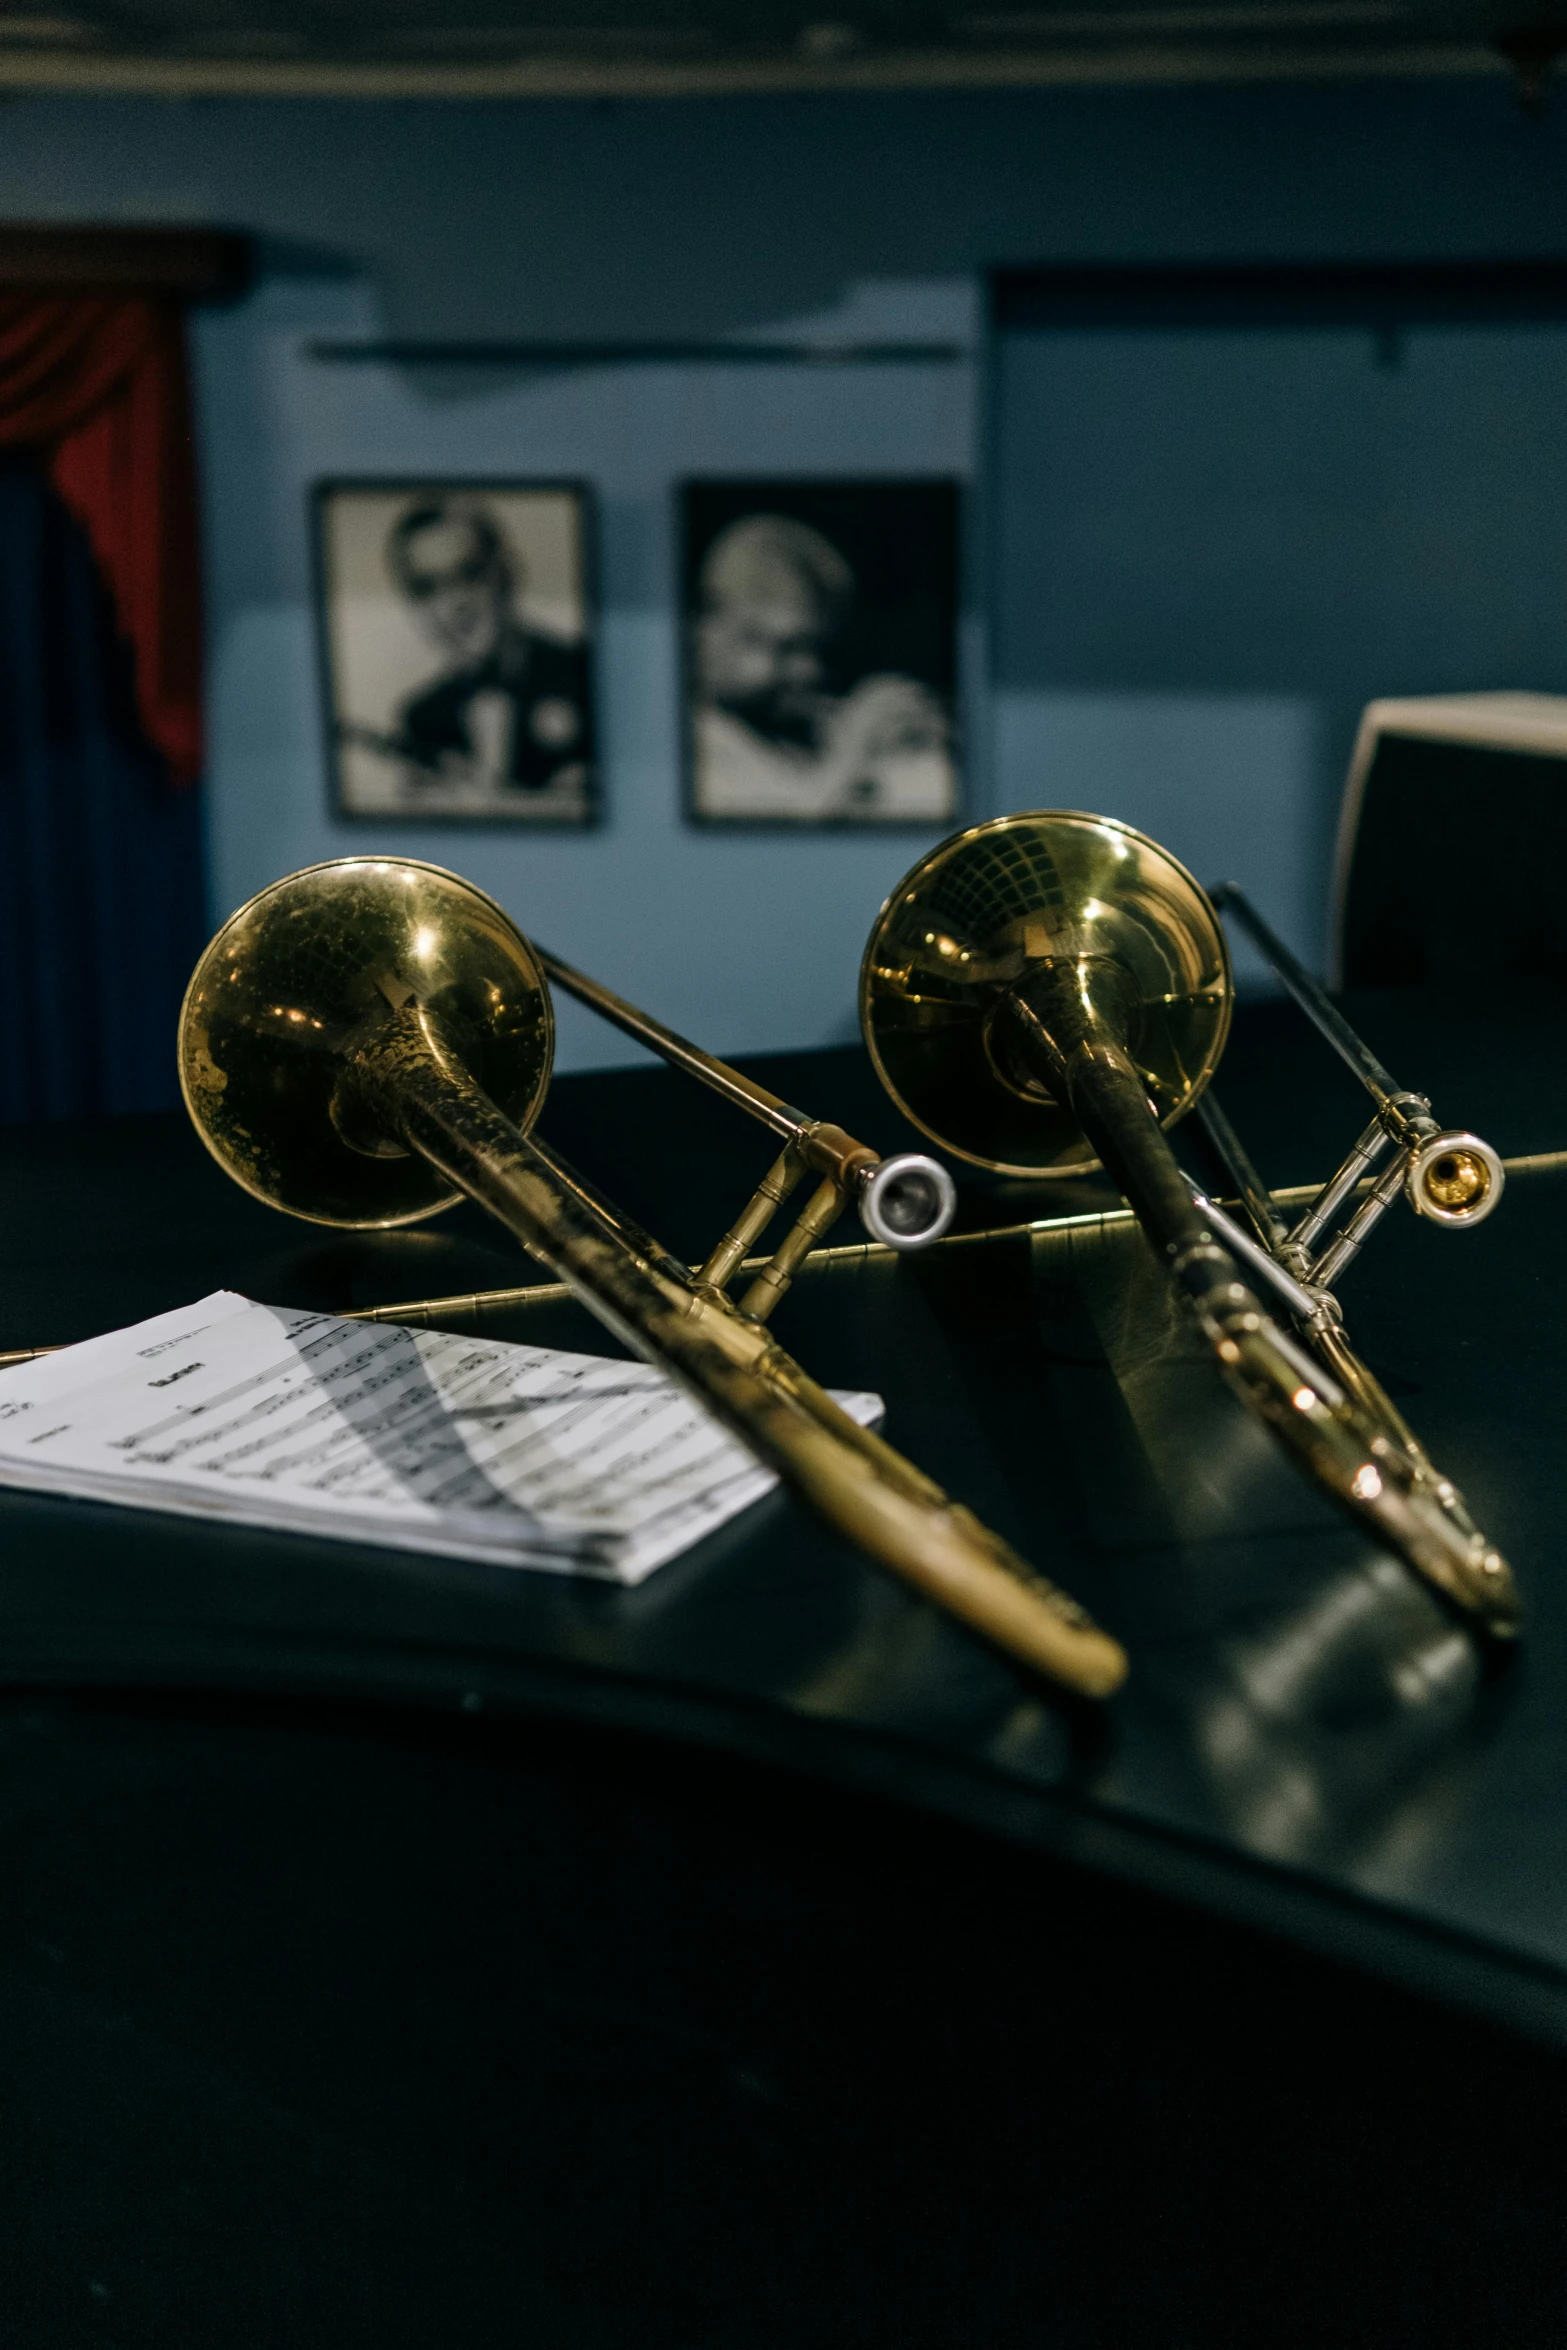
(978, 1080)
(464, 936)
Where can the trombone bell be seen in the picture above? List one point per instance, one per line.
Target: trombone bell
(954, 940)
(281, 999)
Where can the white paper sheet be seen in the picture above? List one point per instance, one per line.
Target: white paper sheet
(518, 1455)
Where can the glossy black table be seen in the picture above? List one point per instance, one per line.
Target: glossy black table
(405, 1951)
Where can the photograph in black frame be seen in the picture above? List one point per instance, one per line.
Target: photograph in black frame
(820, 641)
(455, 621)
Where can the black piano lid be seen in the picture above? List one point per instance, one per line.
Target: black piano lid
(1308, 1741)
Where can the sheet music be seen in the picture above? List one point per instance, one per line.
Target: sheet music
(269, 1416)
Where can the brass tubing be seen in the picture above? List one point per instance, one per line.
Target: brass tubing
(747, 1229)
(836, 1154)
(820, 1213)
(1393, 1103)
(406, 1082)
(1404, 1117)
(1235, 1159)
(1368, 1391)
(1342, 1251)
(1374, 1399)
(1366, 1151)
(827, 1148)
(1251, 1253)
(472, 1303)
(622, 1228)
(1317, 1314)
(677, 1050)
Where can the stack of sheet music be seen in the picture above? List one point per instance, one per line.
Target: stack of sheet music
(518, 1455)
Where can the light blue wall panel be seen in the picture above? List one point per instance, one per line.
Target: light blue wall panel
(1227, 782)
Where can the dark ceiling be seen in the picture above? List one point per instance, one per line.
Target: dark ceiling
(474, 47)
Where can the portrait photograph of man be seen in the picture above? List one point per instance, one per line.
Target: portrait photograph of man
(821, 654)
(456, 624)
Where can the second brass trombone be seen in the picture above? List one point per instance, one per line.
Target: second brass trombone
(1050, 989)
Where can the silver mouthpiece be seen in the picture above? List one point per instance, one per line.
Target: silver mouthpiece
(908, 1201)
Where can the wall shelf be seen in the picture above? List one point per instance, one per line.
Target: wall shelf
(635, 354)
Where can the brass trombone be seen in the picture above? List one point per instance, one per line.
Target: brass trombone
(1050, 989)
(368, 1040)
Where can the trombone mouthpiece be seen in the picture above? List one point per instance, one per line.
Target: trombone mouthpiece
(908, 1201)
(1455, 1179)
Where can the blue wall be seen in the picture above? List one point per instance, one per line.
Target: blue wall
(1215, 547)
(875, 214)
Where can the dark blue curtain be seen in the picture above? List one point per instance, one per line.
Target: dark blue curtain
(102, 903)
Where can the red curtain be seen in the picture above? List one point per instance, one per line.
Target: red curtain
(95, 385)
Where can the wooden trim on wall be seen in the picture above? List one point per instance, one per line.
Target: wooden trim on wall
(197, 264)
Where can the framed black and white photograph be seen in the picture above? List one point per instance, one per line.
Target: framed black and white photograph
(821, 651)
(456, 626)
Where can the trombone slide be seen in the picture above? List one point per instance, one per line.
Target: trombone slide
(411, 1087)
(1330, 1436)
